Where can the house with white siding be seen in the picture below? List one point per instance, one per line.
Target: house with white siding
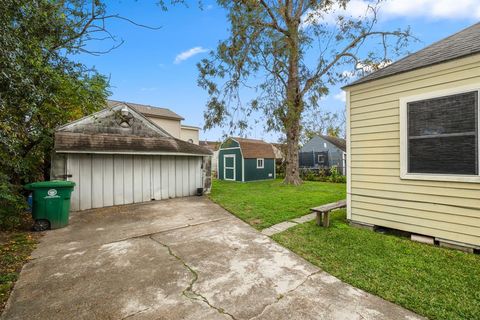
(120, 156)
(413, 144)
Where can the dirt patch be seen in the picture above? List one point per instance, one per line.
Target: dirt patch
(254, 222)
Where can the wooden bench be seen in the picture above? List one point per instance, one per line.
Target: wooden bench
(323, 212)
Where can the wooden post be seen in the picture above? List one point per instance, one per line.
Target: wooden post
(326, 219)
(319, 220)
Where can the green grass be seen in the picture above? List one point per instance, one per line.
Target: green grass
(434, 282)
(15, 249)
(265, 203)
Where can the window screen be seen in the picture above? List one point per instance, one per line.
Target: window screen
(443, 135)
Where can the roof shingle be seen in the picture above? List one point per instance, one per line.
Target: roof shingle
(338, 142)
(252, 148)
(74, 141)
(458, 45)
(147, 110)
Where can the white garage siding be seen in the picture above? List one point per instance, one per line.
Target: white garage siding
(107, 180)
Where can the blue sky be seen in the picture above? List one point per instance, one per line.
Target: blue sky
(158, 67)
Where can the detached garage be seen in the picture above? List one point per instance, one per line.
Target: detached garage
(117, 156)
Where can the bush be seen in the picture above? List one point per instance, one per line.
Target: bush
(336, 176)
(12, 204)
(322, 175)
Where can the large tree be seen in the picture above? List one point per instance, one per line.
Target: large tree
(41, 86)
(288, 53)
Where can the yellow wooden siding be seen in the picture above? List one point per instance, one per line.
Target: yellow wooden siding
(448, 210)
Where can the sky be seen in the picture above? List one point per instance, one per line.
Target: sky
(158, 67)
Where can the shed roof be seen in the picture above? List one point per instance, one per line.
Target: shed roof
(148, 110)
(107, 143)
(211, 145)
(252, 148)
(336, 141)
(461, 44)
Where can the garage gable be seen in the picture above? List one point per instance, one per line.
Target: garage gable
(119, 120)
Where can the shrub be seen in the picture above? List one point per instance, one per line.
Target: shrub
(12, 204)
(323, 175)
(336, 176)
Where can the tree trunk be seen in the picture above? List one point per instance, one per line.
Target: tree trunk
(292, 174)
(294, 104)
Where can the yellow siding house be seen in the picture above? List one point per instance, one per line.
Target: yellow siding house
(413, 143)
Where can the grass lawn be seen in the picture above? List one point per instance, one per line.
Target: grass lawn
(434, 282)
(265, 203)
(15, 249)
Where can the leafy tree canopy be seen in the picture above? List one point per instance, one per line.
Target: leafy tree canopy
(41, 87)
(288, 53)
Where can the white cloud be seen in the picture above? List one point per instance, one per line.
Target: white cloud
(188, 54)
(390, 9)
(433, 9)
(341, 96)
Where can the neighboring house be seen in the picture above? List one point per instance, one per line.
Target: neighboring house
(246, 160)
(165, 119)
(213, 147)
(413, 143)
(118, 156)
(324, 152)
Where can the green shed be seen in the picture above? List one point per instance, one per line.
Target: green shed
(242, 159)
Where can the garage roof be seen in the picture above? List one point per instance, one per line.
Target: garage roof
(116, 143)
(148, 110)
(459, 45)
(117, 130)
(252, 148)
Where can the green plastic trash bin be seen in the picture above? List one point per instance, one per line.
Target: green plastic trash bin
(51, 203)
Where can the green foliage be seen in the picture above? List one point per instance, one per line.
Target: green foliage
(336, 176)
(11, 203)
(268, 54)
(265, 203)
(434, 282)
(41, 87)
(325, 175)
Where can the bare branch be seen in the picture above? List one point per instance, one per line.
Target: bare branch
(345, 53)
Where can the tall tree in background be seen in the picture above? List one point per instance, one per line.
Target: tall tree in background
(41, 87)
(288, 53)
(322, 123)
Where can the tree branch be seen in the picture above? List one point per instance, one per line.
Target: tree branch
(345, 53)
(274, 23)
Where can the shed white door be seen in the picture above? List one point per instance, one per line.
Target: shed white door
(107, 180)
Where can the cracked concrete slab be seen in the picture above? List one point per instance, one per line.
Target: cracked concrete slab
(178, 259)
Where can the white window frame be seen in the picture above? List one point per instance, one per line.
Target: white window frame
(404, 174)
(225, 156)
(263, 163)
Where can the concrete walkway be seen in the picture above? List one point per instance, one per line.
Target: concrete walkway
(282, 226)
(178, 259)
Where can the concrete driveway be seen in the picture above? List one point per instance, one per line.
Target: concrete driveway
(178, 259)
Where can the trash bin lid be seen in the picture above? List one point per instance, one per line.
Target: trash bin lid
(50, 184)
